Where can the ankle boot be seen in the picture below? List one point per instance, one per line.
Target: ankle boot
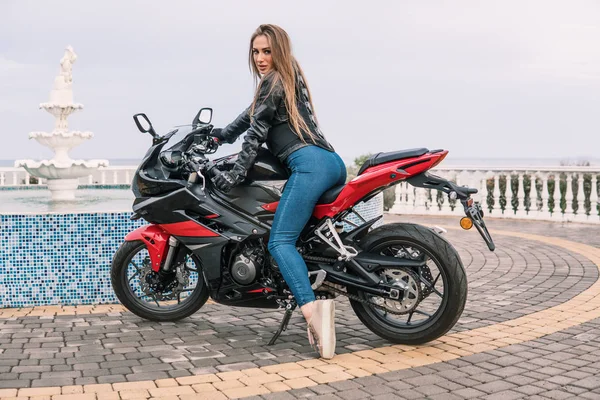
(321, 328)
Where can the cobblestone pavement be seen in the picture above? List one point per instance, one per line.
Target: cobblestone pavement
(515, 338)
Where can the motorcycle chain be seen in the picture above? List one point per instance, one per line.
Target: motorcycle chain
(320, 259)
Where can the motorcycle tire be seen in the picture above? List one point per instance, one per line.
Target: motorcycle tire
(124, 293)
(450, 265)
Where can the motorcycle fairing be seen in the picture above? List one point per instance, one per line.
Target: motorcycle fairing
(375, 179)
(156, 237)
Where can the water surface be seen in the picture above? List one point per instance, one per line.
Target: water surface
(87, 200)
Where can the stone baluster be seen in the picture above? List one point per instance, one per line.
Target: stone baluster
(404, 194)
(497, 212)
(521, 212)
(594, 199)
(90, 179)
(545, 210)
(569, 198)
(508, 211)
(115, 178)
(581, 214)
(103, 178)
(410, 198)
(420, 199)
(445, 209)
(399, 206)
(128, 179)
(429, 203)
(14, 178)
(26, 179)
(2, 178)
(484, 194)
(557, 211)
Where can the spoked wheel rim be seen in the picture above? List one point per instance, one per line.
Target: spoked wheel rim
(433, 290)
(175, 296)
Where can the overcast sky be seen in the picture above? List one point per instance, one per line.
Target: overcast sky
(479, 78)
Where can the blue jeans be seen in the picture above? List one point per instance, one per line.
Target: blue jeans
(314, 170)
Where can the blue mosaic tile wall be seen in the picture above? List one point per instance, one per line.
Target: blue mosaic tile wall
(48, 259)
(59, 258)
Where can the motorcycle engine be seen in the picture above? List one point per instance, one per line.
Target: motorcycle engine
(247, 265)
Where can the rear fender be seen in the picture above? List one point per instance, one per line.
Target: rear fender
(155, 238)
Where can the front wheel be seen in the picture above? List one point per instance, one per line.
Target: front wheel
(157, 296)
(433, 295)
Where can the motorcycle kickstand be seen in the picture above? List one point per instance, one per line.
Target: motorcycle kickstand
(289, 310)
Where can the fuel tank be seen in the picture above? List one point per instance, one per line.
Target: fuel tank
(264, 184)
(267, 168)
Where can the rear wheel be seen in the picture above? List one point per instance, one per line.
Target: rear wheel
(155, 296)
(432, 296)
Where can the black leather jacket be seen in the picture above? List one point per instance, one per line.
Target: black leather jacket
(270, 125)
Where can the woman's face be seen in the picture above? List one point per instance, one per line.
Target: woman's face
(261, 51)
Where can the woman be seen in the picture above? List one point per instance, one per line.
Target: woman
(282, 116)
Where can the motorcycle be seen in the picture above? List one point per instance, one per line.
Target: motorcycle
(405, 282)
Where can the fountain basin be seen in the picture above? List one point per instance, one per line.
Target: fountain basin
(61, 112)
(62, 176)
(88, 198)
(60, 253)
(55, 169)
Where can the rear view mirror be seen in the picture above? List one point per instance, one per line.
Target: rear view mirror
(203, 117)
(144, 124)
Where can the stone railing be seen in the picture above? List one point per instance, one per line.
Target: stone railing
(523, 193)
(533, 192)
(118, 175)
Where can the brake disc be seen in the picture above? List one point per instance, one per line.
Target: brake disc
(152, 285)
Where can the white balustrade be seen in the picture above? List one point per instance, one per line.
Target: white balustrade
(411, 200)
(544, 205)
(103, 176)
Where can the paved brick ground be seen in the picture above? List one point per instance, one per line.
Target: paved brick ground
(559, 366)
(520, 278)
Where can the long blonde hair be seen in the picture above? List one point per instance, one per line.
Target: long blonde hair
(285, 69)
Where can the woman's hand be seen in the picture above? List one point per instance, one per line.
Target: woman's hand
(217, 133)
(225, 180)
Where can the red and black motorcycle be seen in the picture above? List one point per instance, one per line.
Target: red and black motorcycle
(404, 281)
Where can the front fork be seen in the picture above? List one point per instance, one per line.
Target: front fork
(172, 249)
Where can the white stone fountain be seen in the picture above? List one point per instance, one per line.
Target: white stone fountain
(62, 172)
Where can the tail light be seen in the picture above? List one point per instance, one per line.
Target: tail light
(439, 160)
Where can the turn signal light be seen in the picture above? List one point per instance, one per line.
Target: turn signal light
(466, 223)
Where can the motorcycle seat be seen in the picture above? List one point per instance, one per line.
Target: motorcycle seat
(330, 194)
(381, 158)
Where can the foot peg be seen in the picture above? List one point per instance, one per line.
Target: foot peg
(320, 277)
